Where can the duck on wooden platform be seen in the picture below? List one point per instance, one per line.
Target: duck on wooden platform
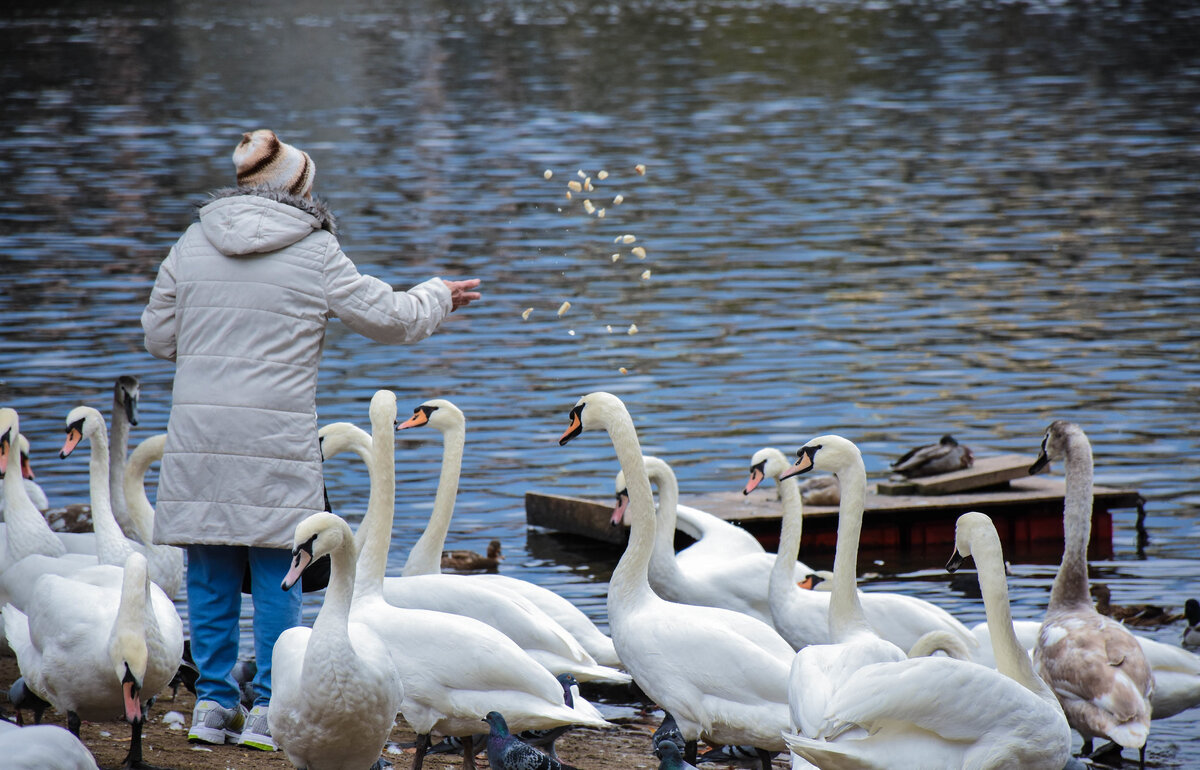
(1132, 614)
(470, 561)
(943, 457)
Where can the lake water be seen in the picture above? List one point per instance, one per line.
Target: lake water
(886, 220)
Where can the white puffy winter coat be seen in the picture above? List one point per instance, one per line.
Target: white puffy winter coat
(241, 305)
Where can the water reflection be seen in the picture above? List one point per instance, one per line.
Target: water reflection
(889, 220)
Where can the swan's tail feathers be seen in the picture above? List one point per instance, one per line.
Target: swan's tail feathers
(586, 710)
(16, 631)
(597, 673)
(821, 753)
(940, 641)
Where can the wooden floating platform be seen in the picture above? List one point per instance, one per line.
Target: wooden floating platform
(912, 516)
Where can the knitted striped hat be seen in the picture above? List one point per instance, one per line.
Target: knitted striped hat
(262, 160)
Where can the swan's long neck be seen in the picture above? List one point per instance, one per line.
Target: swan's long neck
(116, 470)
(425, 558)
(662, 560)
(1071, 582)
(141, 512)
(783, 571)
(629, 584)
(375, 531)
(112, 547)
(134, 615)
(26, 529)
(1011, 658)
(845, 610)
(335, 609)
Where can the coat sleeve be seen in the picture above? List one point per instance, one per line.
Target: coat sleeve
(158, 319)
(371, 308)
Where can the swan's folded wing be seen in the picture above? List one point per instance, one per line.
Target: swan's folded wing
(957, 701)
(1100, 665)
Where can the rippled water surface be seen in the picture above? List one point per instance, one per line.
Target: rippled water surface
(886, 220)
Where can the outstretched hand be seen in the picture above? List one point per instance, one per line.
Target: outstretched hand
(460, 292)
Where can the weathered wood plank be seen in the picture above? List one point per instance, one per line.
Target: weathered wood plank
(573, 515)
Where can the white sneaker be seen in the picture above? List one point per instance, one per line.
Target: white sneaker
(257, 733)
(215, 724)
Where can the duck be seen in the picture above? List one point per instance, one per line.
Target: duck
(470, 561)
(166, 561)
(102, 641)
(715, 538)
(802, 616)
(735, 581)
(721, 674)
(942, 712)
(1191, 634)
(1146, 615)
(126, 391)
(335, 690)
(943, 457)
(1093, 663)
(424, 559)
(441, 695)
(818, 671)
(43, 747)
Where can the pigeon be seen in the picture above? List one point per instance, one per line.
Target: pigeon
(671, 757)
(738, 756)
(546, 738)
(506, 751)
(668, 732)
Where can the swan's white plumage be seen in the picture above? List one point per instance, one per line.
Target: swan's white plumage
(736, 581)
(455, 669)
(335, 690)
(42, 747)
(76, 631)
(166, 561)
(426, 553)
(943, 713)
(802, 616)
(512, 614)
(721, 674)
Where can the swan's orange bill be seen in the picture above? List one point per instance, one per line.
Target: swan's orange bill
(74, 436)
(618, 514)
(756, 478)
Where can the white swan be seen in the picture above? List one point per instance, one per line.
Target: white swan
(166, 561)
(126, 391)
(455, 669)
(32, 488)
(721, 674)
(737, 581)
(31, 548)
(335, 691)
(940, 712)
(75, 542)
(715, 538)
(112, 545)
(42, 747)
(802, 616)
(425, 556)
(819, 670)
(1093, 663)
(98, 643)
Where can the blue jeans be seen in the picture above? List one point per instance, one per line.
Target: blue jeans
(214, 583)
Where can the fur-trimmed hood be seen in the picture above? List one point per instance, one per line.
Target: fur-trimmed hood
(315, 207)
(246, 221)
